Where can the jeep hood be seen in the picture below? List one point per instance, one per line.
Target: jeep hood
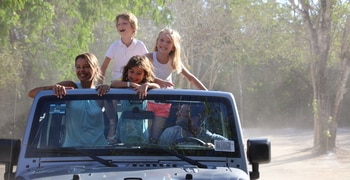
(131, 173)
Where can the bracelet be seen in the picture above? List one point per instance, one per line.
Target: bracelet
(128, 84)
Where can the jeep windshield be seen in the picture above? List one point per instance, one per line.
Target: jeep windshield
(195, 125)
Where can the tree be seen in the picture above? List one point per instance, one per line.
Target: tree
(318, 19)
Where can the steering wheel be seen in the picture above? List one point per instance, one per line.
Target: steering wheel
(190, 139)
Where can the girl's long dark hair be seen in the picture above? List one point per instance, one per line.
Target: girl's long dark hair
(142, 62)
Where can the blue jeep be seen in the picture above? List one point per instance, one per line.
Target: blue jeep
(44, 153)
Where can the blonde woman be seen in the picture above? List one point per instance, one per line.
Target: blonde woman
(166, 59)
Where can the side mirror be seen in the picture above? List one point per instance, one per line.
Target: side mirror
(258, 152)
(9, 153)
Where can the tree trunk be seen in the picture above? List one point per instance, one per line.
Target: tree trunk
(320, 105)
(317, 21)
(344, 72)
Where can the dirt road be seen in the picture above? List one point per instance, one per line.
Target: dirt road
(292, 156)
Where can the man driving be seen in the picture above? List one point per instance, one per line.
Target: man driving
(189, 124)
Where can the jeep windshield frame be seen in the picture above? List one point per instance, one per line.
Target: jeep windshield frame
(47, 131)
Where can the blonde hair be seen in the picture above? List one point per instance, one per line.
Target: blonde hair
(93, 62)
(129, 17)
(175, 55)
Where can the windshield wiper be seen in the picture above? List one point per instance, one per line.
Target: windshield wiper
(184, 158)
(79, 152)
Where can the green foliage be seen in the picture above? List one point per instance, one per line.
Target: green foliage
(9, 70)
(51, 33)
(8, 18)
